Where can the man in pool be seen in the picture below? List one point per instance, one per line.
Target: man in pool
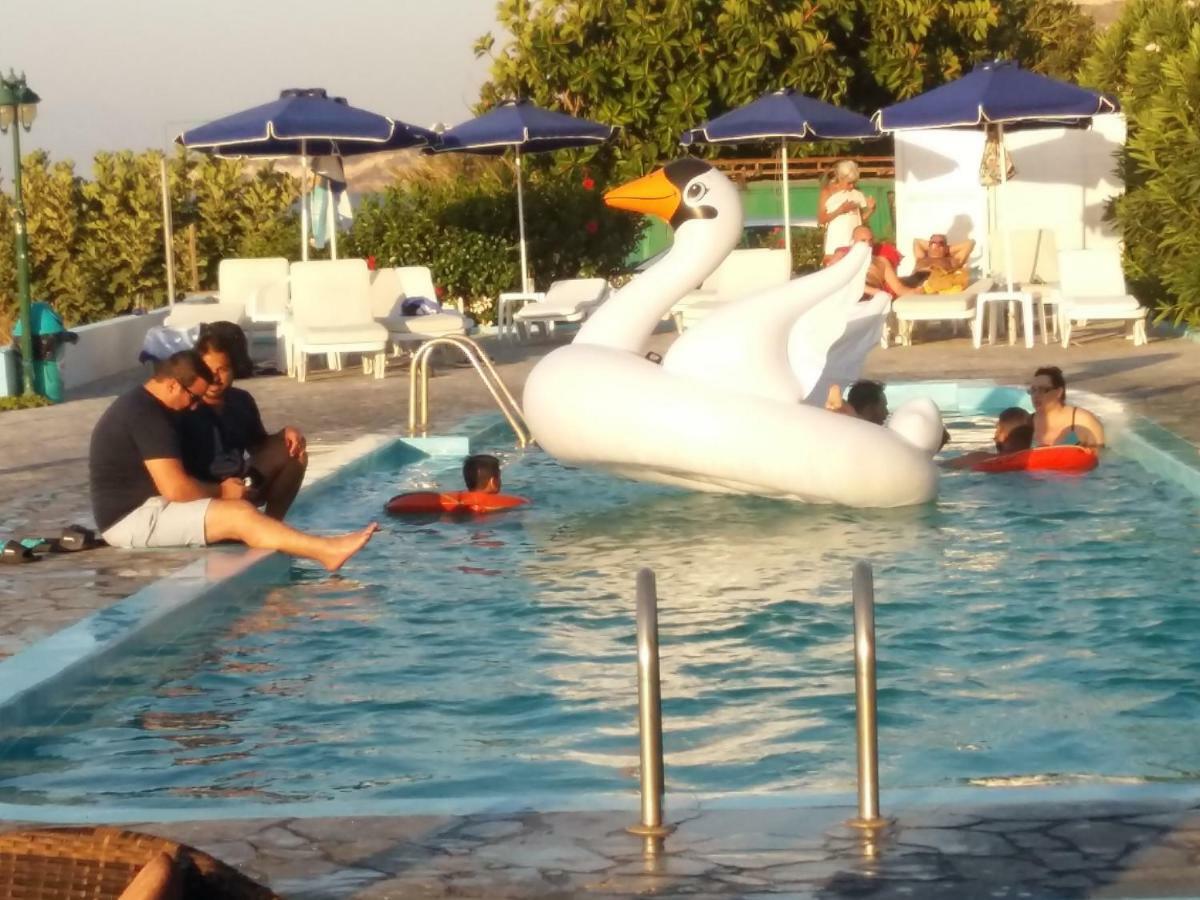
(1014, 432)
(481, 473)
(865, 400)
(143, 497)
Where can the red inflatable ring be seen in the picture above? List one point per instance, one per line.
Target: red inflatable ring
(1046, 459)
(452, 502)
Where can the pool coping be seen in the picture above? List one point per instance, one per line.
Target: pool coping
(29, 677)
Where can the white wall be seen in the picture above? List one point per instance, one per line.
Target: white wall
(107, 348)
(1064, 177)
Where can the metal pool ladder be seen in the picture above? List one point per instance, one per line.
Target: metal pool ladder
(418, 387)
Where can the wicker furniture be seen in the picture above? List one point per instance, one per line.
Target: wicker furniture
(98, 863)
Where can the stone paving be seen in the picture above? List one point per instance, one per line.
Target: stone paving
(1082, 850)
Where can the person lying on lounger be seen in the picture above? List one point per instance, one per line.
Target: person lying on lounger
(143, 497)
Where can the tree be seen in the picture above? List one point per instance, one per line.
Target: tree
(1151, 58)
(657, 67)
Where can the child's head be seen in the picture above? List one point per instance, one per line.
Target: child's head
(1020, 438)
(481, 472)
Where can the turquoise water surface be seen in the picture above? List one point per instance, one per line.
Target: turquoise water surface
(1031, 629)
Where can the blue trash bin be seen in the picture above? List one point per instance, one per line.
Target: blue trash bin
(50, 337)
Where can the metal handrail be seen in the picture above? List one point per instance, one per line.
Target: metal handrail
(418, 404)
(864, 697)
(653, 783)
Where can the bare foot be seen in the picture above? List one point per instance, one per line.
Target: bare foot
(344, 547)
(833, 400)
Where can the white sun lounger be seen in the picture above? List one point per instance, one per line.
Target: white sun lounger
(742, 273)
(567, 300)
(331, 314)
(1091, 287)
(913, 308)
(387, 299)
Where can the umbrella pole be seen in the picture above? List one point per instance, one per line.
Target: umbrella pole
(999, 218)
(168, 232)
(303, 202)
(332, 213)
(521, 226)
(787, 204)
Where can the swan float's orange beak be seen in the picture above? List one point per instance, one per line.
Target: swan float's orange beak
(652, 194)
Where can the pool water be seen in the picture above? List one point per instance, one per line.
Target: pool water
(1032, 629)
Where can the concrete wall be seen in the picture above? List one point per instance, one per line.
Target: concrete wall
(107, 348)
(1063, 180)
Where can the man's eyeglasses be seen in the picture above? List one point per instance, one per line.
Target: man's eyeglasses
(196, 399)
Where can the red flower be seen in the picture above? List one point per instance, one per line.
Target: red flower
(591, 226)
(589, 184)
(439, 290)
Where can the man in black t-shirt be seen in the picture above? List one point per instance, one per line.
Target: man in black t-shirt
(142, 497)
(225, 436)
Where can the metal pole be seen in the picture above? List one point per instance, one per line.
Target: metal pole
(22, 262)
(864, 696)
(521, 226)
(787, 217)
(332, 213)
(168, 232)
(303, 202)
(1000, 198)
(649, 709)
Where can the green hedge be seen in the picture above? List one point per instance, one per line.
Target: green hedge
(465, 230)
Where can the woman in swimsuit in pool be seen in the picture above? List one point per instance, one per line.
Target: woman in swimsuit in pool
(1053, 421)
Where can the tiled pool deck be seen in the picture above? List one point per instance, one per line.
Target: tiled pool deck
(1082, 845)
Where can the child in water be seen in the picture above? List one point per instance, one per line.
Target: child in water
(481, 473)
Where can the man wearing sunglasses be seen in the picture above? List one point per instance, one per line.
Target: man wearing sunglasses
(142, 497)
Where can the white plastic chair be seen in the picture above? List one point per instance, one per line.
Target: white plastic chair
(387, 299)
(742, 273)
(331, 314)
(1092, 286)
(567, 300)
(918, 307)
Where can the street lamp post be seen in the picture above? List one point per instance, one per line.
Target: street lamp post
(18, 109)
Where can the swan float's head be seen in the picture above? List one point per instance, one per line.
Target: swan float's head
(686, 194)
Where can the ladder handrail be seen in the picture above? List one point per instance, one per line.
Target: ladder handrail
(418, 404)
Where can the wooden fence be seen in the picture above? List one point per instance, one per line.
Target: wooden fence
(802, 167)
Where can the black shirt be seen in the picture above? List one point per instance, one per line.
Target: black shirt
(134, 429)
(204, 432)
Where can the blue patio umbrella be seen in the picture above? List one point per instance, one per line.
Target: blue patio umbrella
(304, 123)
(784, 115)
(525, 128)
(998, 94)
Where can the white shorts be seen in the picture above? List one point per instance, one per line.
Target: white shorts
(160, 523)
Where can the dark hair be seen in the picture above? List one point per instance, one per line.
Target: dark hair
(185, 367)
(1013, 415)
(1054, 373)
(230, 339)
(864, 393)
(478, 469)
(1020, 438)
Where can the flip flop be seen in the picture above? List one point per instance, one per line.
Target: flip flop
(71, 539)
(13, 553)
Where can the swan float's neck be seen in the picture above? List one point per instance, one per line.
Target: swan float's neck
(627, 319)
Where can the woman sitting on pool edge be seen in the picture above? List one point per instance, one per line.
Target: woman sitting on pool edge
(1055, 423)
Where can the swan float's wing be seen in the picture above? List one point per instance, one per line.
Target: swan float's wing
(743, 346)
(820, 329)
(843, 363)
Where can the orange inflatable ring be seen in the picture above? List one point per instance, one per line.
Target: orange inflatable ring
(1047, 459)
(452, 502)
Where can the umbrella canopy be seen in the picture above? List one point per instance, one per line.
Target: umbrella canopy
(999, 94)
(783, 115)
(303, 122)
(523, 127)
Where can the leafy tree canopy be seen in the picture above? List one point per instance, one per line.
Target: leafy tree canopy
(657, 67)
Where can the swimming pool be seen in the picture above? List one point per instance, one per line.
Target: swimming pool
(1031, 630)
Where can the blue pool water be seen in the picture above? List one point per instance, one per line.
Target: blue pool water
(1031, 629)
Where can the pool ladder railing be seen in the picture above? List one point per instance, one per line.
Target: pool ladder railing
(653, 779)
(418, 387)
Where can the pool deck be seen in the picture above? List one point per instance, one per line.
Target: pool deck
(1087, 848)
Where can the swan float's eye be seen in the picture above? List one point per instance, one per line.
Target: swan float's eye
(695, 192)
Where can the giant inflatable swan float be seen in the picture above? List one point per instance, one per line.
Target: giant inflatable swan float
(723, 411)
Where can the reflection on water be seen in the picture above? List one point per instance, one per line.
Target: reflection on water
(1031, 629)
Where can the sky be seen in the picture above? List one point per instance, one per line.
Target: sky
(131, 74)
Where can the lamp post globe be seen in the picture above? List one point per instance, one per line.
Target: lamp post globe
(18, 109)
